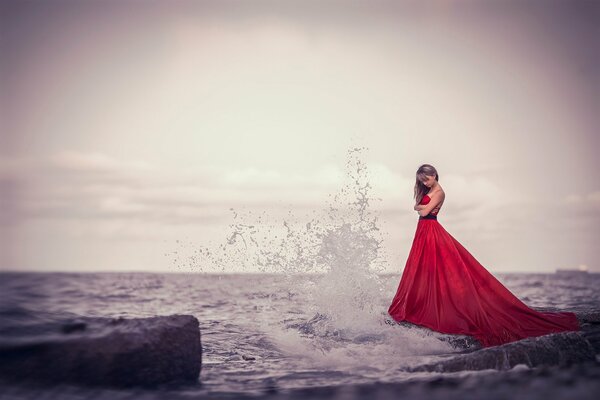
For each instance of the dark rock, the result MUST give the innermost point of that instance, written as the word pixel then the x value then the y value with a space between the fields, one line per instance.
pixel 461 342
pixel 590 327
pixel 562 349
pixel 73 327
pixel 107 352
pixel 589 317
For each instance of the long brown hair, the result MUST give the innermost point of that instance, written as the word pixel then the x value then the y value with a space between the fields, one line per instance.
pixel 420 189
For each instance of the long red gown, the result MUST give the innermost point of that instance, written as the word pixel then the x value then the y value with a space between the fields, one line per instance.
pixel 444 288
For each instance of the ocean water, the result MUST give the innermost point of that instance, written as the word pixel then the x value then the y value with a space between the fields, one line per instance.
pixel 262 331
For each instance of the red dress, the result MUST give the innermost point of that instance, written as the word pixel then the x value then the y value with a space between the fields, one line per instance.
pixel 444 288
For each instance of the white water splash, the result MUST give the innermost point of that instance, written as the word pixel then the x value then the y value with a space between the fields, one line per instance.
pixel 341 244
pixel 334 257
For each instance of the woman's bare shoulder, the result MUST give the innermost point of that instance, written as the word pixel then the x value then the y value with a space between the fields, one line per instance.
pixel 438 192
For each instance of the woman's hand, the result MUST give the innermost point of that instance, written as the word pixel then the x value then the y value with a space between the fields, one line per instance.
pixel 419 207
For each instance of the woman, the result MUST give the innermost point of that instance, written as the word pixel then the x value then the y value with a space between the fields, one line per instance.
pixel 443 287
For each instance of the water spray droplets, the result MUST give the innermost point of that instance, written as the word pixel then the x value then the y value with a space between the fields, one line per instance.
pixel 340 244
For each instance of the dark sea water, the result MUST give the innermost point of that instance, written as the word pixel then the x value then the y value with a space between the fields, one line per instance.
pixel 262 331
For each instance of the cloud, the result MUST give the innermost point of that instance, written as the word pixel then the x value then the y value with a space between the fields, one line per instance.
pixel 73 194
pixel 95 194
pixel 591 199
pixel 96 162
pixel 78 185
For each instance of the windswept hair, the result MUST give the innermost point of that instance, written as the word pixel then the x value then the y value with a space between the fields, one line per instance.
pixel 420 189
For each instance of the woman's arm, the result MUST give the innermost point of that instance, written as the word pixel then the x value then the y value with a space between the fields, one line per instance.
pixel 433 203
pixel 419 207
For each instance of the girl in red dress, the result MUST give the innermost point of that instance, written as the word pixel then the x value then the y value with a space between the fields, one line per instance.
pixel 444 288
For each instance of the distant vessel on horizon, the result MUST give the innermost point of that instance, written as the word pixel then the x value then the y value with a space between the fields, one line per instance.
pixel 573 271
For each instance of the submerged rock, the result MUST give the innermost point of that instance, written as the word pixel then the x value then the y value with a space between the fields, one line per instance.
pixel 106 352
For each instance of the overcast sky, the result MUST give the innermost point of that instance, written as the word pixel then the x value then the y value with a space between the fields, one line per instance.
pixel 128 125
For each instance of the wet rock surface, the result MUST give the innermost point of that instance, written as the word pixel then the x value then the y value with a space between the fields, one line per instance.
pixel 560 349
pixel 578 381
pixel 104 352
pixel 555 349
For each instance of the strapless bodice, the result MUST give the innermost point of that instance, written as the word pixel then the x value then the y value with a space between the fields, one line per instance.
pixel 424 201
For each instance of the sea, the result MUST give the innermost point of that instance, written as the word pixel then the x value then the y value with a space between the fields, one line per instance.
pixel 264 332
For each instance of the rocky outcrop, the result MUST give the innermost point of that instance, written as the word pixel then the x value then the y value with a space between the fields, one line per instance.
pixel 106 352
pixel 556 349
pixel 560 349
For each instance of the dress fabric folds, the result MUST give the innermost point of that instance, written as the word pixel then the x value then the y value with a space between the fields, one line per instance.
pixel 444 288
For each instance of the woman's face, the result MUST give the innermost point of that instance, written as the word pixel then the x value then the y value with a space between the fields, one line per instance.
pixel 427 180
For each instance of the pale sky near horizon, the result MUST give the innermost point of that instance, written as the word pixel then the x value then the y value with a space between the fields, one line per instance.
pixel 129 125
